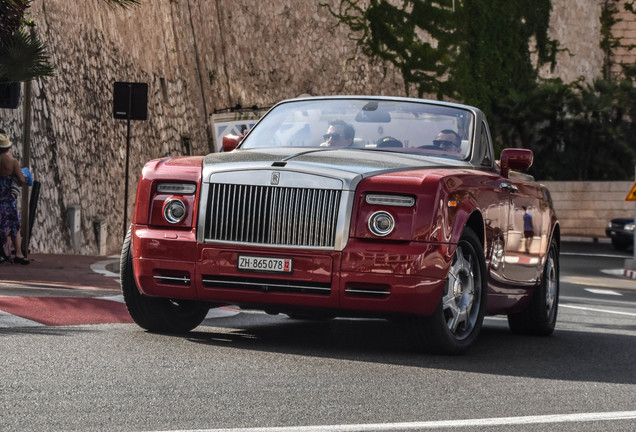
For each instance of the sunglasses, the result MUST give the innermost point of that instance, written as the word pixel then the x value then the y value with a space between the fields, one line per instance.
pixel 444 143
pixel 334 136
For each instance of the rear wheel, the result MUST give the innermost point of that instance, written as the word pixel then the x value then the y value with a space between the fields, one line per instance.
pixel 457 321
pixel 157 314
pixel 539 317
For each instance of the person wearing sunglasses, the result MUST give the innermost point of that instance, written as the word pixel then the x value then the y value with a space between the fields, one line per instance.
pixel 339 134
pixel 449 141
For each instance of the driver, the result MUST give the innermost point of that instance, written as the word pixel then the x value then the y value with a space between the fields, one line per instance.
pixel 339 134
pixel 449 141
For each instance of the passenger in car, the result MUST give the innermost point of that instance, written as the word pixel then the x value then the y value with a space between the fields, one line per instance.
pixel 339 134
pixel 449 141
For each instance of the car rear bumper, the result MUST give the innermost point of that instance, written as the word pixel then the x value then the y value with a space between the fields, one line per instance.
pixel 376 278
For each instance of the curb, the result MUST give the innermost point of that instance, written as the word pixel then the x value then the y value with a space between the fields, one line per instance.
pixel 109 268
pixel 631 274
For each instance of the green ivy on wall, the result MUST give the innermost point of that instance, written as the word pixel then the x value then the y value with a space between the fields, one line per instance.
pixel 487 53
pixel 475 51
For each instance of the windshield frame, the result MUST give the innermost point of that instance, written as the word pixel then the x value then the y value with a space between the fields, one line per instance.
pixel 467 119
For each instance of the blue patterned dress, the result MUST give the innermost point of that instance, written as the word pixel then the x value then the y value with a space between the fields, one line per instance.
pixel 9 218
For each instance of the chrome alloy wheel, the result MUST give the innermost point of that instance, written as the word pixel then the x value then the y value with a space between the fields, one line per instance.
pixel 552 286
pixel 461 300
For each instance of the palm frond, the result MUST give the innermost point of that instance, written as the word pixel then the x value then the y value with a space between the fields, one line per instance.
pixel 11 15
pixel 23 57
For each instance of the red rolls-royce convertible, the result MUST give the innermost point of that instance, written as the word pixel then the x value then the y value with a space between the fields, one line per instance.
pixel 349 206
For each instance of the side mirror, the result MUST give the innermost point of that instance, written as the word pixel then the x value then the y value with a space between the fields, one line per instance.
pixel 230 142
pixel 515 159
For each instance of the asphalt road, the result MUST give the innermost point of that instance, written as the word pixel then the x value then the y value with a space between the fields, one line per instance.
pixel 251 370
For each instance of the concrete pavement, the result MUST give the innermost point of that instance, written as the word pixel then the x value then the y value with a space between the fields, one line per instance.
pixel 73 275
pixel 57 290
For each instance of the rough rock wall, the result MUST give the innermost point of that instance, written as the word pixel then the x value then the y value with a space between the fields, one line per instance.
pixel 197 57
pixel 77 148
pixel 576 25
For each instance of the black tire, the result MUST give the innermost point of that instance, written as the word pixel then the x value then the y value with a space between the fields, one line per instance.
pixel 157 314
pixel 457 321
pixel 540 316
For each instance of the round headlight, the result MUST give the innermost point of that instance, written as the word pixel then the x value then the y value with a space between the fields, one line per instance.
pixel 381 223
pixel 174 211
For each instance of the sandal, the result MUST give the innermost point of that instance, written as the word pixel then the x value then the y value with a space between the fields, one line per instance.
pixel 18 260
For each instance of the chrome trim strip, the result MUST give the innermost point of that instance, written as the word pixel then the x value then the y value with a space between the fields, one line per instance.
pixel 288 178
pixel 359 291
pixel 256 284
pixel 183 279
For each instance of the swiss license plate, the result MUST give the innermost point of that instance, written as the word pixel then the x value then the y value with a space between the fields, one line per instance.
pixel 265 264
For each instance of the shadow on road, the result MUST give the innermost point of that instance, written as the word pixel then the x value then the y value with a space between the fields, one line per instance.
pixel 566 355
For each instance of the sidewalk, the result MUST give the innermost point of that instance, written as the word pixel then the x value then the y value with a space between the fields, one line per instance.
pixel 68 275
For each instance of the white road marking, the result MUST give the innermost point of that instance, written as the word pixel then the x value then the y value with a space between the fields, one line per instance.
pixel 600 282
pixel 101 267
pixel 443 424
pixel 603 292
pixel 9 321
pixel 116 298
pixel 594 255
pixel 597 310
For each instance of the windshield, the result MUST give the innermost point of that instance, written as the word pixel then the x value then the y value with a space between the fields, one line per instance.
pixel 386 125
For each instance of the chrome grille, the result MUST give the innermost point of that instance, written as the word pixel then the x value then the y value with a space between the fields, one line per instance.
pixel 272 215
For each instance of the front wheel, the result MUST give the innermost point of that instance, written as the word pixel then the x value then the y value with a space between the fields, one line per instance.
pixel 457 321
pixel 156 314
pixel 539 317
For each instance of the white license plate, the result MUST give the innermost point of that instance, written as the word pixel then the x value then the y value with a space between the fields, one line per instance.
pixel 265 264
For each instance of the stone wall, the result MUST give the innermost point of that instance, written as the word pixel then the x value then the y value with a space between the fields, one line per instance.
pixel 197 57
pixel 585 208
pixel 625 29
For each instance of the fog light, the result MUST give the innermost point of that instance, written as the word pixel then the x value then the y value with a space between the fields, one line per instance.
pixel 381 223
pixel 174 211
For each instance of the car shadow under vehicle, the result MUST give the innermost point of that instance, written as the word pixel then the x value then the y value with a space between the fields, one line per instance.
pixel 572 355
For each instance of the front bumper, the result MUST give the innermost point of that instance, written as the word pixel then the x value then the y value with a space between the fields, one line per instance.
pixel 366 277
pixel 619 234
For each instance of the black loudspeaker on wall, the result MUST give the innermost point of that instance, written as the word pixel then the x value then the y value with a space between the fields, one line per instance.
pixel 9 95
pixel 130 101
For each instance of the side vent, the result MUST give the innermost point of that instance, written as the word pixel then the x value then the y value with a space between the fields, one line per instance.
pixel 172 277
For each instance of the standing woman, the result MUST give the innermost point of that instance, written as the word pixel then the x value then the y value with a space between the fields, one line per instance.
pixel 9 218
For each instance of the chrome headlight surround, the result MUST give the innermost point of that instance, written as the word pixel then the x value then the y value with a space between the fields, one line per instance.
pixel 381 223
pixel 174 210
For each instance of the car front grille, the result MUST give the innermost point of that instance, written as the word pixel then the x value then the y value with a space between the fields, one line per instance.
pixel 272 215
